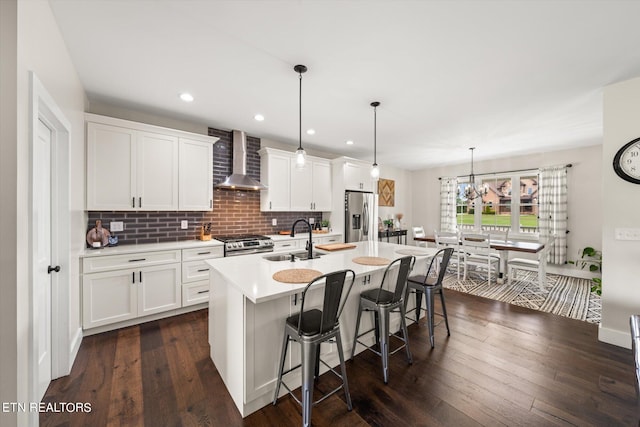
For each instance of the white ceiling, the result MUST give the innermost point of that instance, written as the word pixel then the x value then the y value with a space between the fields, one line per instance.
pixel 508 77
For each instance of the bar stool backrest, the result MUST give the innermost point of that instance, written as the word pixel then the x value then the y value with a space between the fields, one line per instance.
pixel 331 304
pixel 405 265
pixel 445 254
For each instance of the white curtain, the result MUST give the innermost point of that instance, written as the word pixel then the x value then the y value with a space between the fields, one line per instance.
pixel 448 193
pixel 553 211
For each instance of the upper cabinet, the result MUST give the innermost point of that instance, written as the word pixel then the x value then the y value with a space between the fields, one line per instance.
pixel 275 173
pixel 292 189
pixel 357 176
pixel 195 175
pixel 134 166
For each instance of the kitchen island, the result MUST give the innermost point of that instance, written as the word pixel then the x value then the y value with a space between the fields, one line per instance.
pixel 247 310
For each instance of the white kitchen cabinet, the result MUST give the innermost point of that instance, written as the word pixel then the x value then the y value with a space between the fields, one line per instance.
pixel 357 176
pixel 275 173
pixel 322 184
pixel 301 187
pixel 111 158
pixel 292 189
pixel 195 274
pixel 116 288
pixel 285 245
pixel 195 175
pixel 311 186
pixel 159 289
pixel 108 297
pixel 134 166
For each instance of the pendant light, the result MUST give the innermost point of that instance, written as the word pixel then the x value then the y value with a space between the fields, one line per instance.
pixel 471 192
pixel 375 170
pixel 300 153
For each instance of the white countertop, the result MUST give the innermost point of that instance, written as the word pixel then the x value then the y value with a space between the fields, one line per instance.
pixel 252 274
pixel 149 247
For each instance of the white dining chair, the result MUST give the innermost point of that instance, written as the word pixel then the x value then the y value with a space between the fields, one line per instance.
pixel 418 231
pixel 450 239
pixel 476 252
pixel 538 265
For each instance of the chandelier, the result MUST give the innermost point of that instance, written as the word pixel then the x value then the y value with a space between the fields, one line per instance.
pixel 471 192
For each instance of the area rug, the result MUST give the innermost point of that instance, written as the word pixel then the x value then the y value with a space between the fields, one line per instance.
pixel 563 295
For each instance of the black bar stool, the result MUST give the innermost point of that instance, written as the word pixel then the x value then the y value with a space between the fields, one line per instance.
pixel 430 284
pixel 382 302
pixel 311 328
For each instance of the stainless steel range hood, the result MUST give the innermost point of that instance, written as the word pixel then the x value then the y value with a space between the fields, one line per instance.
pixel 239 180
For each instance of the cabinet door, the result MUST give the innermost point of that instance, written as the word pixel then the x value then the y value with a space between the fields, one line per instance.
pixel 159 289
pixel 275 173
pixel 301 188
pixel 111 157
pixel 321 187
pixel 196 175
pixel 157 172
pixel 264 332
pixel 109 297
pixel 357 177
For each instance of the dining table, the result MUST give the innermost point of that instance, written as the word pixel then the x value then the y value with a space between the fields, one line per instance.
pixel 504 246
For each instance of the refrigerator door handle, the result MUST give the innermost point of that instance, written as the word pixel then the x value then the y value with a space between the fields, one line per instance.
pixel 365 220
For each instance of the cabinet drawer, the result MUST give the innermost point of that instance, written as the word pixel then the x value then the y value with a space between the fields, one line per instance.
pixel 193 271
pixel 331 239
pixel 202 253
pixel 135 260
pixel 195 293
pixel 286 245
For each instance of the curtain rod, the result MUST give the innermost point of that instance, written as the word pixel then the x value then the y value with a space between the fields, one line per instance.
pixel 501 172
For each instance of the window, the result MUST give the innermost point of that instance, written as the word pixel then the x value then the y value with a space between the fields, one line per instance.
pixel 510 203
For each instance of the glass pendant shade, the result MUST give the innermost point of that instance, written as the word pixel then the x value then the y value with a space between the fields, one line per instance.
pixel 300 158
pixel 375 171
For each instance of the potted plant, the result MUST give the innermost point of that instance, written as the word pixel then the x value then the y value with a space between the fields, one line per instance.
pixel 592 259
pixel 325 225
pixel 388 223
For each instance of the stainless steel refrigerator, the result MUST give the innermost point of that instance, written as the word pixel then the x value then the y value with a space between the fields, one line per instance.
pixel 361 213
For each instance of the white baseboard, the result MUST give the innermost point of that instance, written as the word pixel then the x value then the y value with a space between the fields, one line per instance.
pixel 615 337
pixel 74 348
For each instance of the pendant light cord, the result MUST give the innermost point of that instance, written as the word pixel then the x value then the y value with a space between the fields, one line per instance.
pixel 300 114
pixel 375 147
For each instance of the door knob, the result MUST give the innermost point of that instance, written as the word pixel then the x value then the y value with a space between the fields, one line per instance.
pixel 50 269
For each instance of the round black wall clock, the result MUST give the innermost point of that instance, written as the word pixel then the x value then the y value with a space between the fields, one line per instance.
pixel 626 162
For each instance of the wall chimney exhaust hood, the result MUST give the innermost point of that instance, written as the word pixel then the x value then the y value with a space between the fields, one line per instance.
pixel 239 180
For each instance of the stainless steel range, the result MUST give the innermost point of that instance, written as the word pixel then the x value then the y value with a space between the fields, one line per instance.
pixel 245 244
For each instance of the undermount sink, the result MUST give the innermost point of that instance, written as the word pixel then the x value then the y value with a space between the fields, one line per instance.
pixel 302 255
pixel 283 257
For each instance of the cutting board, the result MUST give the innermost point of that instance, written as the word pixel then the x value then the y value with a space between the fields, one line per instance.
pixel 335 246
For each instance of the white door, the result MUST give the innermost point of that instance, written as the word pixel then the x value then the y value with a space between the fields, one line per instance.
pixel 42 256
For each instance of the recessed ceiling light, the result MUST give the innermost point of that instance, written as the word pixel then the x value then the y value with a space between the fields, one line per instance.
pixel 186 97
pixel 349 142
pixel 259 117
pixel 311 132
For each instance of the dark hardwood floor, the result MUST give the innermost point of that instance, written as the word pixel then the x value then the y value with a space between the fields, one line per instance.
pixel 502 365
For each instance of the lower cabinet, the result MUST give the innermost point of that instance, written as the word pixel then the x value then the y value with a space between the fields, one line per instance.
pixel 124 287
pixel 118 295
pixel 195 274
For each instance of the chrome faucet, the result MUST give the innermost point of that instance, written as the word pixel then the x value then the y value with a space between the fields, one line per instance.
pixel 309 243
